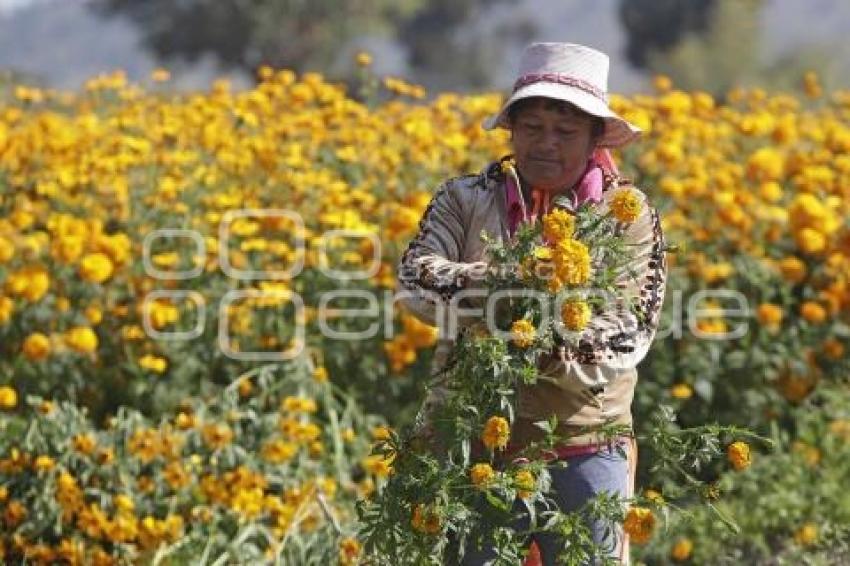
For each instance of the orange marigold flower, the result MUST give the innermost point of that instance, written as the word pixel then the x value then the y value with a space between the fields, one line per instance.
pixel 739 456
pixel 496 433
pixel 639 524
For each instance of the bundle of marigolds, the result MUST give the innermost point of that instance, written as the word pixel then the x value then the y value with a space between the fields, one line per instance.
pixel 452 487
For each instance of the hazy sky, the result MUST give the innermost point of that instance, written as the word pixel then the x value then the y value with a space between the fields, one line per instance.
pixel 59 40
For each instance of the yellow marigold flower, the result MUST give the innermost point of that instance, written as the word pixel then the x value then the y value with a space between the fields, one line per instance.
pixel 185 421
pixel 682 549
pixel 522 333
pixel 766 164
pixel 216 435
pixel 36 346
pixel 7 308
pixel 806 535
pixel 418 333
pixel 810 240
pixel 162 313
pixel 542 253
pixel 813 312
pixel 278 451
pixel 558 225
pixel 575 314
pixel 43 463
pixel 639 524
pixel 81 339
pixel 8 398
pixel 681 391
pixel 320 374
pixel 771 191
pixel 93 314
pixel 626 205
pixel 378 465
pixel 30 282
pixel 482 475
pixel 739 456
pixel 96 267
pixel 153 363
pixel 654 496
pixel 83 443
pixel 349 551
pixel 769 315
pixel 381 433
pixel 524 482
pixel 793 269
pixel 572 262
pixel 245 387
pixel 496 433
pixel 123 503
pixel 298 404
pixel 425 519
pixel 7 250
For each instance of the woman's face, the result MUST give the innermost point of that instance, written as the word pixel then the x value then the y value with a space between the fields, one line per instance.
pixel 551 143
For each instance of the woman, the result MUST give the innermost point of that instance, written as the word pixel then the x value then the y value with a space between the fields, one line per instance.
pixel 560 125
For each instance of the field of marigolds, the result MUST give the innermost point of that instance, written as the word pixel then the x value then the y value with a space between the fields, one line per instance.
pixel 174 267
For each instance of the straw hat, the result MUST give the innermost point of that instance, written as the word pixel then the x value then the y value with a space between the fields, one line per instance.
pixel 573 73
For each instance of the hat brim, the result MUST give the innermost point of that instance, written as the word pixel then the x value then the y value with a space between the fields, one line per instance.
pixel 618 131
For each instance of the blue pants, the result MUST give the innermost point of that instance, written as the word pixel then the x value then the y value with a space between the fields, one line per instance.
pixel 572 486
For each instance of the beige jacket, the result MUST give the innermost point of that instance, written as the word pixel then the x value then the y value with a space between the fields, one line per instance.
pixel 586 386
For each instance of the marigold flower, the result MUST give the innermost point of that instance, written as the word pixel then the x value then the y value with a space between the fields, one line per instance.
pixel 84 443
pixel 425 519
pixel 626 205
pixel 81 339
pixel 216 435
pixel 681 391
pixel 682 549
pixel 96 267
pixel 43 463
pixel 639 524
pixel 558 225
pixel 813 312
pixel 793 269
pixel 739 456
pixel 496 433
pixel 8 397
pixel 153 363
pixel 806 535
pixel 36 347
pixel 482 475
pixel 575 314
pixel 769 315
pixel 7 308
pixel 349 551
pixel 524 482
pixel 522 333
pixel 378 465
pixel 572 262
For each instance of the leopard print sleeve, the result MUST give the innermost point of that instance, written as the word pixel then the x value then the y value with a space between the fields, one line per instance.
pixel 431 269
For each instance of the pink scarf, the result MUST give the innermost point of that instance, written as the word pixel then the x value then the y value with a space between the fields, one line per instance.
pixel 589 188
